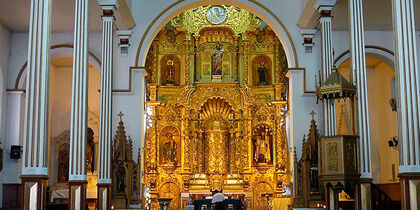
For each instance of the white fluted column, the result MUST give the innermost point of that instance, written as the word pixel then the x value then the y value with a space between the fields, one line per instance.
pixel 324 7
pixel 358 65
pixel 105 129
pixel 79 107
pixel 408 102
pixel 34 163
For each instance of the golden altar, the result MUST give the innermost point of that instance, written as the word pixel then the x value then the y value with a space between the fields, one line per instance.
pixel 216 110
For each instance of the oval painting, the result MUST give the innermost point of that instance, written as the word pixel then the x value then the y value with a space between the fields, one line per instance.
pixel 216 14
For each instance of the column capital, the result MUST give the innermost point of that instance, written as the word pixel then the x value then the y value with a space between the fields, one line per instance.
pixel 307 35
pixel 324 7
pixel 109 4
pixel 124 36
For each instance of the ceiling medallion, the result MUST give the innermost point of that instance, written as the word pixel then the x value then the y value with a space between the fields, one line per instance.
pixel 216 14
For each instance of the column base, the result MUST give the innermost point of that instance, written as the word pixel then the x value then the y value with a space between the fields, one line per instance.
pixel 410 190
pixel 104 196
pixel 77 195
pixel 34 192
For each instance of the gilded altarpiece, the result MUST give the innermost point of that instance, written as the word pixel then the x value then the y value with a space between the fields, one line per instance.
pixel 203 135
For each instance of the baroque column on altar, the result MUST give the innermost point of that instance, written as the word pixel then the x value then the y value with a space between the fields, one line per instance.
pixel 358 66
pixel 324 8
pixel 79 108
pixel 105 135
pixel 34 163
pixel 408 102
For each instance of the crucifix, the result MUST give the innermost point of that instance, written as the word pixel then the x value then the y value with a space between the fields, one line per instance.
pixel 313 114
pixel 120 115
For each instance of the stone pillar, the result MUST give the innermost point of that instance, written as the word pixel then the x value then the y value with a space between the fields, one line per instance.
pixel 324 7
pixel 358 65
pixel 105 135
pixel 79 108
pixel 35 160
pixel 408 102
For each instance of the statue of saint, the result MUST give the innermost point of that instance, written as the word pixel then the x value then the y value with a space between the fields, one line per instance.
pixel 216 59
pixel 120 176
pixel 262 148
pixel 63 163
pixel 169 150
pixel 90 150
pixel 170 72
pixel 262 72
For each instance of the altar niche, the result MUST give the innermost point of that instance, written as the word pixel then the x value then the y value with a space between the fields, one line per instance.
pixel 217 54
pixel 261 70
pixel 170 70
pixel 170 146
pixel 262 144
pixel 220 124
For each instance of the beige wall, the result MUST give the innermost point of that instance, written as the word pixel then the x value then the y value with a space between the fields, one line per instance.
pixel 383 122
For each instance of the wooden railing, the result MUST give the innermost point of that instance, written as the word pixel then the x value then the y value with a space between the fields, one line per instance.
pixel 381 201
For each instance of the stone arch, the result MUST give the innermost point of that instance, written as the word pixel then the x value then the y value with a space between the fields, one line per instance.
pixel 57 51
pixel 383 54
pixel 181 6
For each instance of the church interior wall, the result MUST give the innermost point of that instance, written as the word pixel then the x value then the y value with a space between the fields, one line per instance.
pixel 15 45
pixel 4 63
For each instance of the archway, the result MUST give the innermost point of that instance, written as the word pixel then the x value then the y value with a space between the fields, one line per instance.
pixel 381 89
pixel 218 103
pixel 57 51
pixel 252 6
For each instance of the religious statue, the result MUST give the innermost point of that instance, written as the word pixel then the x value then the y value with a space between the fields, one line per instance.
pixel 63 163
pixel 217 59
pixel 90 150
pixel 262 72
pixel 170 72
pixel 262 148
pixel 169 150
pixel 120 176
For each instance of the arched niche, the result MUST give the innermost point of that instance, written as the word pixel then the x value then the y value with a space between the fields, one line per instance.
pixel 262 145
pixel 170 146
pixel 170 70
pixel 57 52
pixel 262 70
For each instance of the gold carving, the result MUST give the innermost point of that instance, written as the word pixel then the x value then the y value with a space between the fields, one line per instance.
pixel 203 134
pixel 332 151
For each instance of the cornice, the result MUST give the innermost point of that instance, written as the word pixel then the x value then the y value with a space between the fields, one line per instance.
pixel 309 17
pixel 124 18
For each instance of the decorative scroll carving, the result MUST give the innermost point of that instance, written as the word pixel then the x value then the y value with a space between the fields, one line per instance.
pixel 217 124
